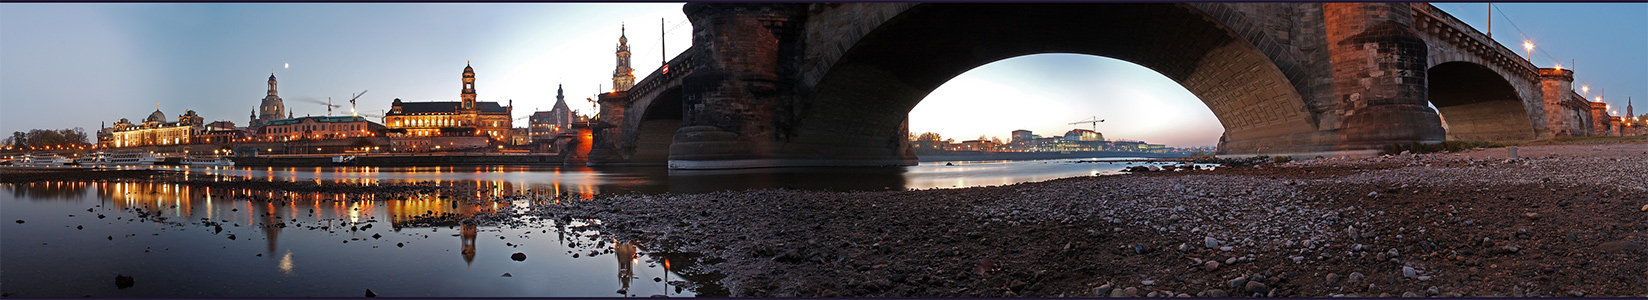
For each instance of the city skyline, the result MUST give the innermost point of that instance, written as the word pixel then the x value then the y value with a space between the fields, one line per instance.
pixel 78 65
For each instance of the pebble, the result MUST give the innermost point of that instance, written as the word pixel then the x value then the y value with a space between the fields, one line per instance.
pixel 1211 243
pixel 1354 277
pixel 1103 290
pixel 1351 231
pixel 1148 282
pixel 1409 295
pixel 1333 278
pixel 1226 248
pixel 1210 266
pixel 369 293
pixel 518 256
pixel 1231 260
pixel 1238 282
pixel 506 274
pixel 1256 287
pixel 1216 293
pixel 1153 294
pixel 1576 293
pixel 19 221
pixel 1409 272
pixel 1116 293
pixel 1130 292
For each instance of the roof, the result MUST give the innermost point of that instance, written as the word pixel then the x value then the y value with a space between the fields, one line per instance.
pixel 322 119
pixel 447 107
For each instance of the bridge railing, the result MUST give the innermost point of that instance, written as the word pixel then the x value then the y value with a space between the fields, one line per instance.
pixel 1427 10
pixel 671 71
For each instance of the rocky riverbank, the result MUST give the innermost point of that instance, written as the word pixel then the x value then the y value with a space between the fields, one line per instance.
pixel 1559 221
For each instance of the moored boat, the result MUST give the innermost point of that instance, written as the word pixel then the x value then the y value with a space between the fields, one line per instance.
pixel 207 161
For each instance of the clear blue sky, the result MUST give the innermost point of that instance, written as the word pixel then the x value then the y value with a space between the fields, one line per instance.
pixel 75 65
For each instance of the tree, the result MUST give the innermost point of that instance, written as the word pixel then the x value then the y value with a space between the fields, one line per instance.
pixel 18 139
pixel 928 140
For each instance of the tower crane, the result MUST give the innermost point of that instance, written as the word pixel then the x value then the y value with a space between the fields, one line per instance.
pixel 1093 120
pixel 352 102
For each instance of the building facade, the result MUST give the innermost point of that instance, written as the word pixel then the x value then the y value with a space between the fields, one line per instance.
pixel 466 117
pixel 155 130
pixel 318 128
pixel 545 125
pixel 272 107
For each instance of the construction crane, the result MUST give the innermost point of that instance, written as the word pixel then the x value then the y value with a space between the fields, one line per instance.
pixel 1094 120
pixel 352 102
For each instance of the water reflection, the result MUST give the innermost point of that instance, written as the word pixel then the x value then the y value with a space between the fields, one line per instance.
pixel 203 239
pixel 625 252
pixel 585 182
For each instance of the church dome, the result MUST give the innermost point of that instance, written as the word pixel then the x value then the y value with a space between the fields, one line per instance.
pixel 156 116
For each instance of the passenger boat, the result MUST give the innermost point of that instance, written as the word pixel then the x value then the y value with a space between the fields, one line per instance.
pixel 132 158
pixel 44 159
pixel 207 161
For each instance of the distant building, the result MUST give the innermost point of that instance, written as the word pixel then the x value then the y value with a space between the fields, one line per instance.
pixel 1083 135
pixel 623 77
pixel 155 130
pixel 545 125
pixel 272 107
pixel 220 132
pixel 450 119
pixel 1022 136
pixel 318 128
pixel 977 145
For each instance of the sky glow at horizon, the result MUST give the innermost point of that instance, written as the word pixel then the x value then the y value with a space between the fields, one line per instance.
pixel 66 65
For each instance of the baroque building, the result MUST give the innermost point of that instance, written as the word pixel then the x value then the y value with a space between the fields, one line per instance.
pixel 272 107
pixel 466 117
pixel 318 128
pixel 623 77
pixel 155 130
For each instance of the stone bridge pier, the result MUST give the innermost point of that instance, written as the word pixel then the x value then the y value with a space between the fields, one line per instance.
pixel 832 84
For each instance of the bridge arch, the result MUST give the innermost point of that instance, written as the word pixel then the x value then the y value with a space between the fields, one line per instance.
pixel 860 102
pixel 650 129
pixel 1476 103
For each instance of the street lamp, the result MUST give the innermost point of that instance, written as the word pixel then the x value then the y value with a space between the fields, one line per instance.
pixel 1529 46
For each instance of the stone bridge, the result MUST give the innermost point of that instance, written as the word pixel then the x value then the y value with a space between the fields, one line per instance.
pixel 832 84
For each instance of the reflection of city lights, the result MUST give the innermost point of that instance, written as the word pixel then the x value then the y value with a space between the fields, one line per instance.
pixel 286 263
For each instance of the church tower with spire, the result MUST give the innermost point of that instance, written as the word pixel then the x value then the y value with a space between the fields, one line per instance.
pixel 623 77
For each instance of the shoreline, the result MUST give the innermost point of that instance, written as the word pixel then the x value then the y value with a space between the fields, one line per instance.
pixel 1466 224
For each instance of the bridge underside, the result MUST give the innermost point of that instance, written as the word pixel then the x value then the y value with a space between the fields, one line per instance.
pixel 857 113
pixel 1478 104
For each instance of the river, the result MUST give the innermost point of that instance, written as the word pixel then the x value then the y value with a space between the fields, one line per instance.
pixel 74 238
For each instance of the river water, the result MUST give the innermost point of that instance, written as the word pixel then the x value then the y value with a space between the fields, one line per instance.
pixel 76 237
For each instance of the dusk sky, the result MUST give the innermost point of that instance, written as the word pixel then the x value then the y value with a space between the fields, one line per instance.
pixel 76 65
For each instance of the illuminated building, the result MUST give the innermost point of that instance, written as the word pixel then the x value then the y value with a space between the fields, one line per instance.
pixel 623 77
pixel 1083 135
pixel 155 130
pixel 318 128
pixel 220 132
pixel 272 107
pixel 545 125
pixel 448 118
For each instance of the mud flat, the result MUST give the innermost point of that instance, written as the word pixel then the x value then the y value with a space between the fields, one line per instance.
pixel 1558 221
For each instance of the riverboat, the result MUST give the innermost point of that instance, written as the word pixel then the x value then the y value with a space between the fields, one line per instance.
pixel 132 158
pixel 44 159
pixel 207 161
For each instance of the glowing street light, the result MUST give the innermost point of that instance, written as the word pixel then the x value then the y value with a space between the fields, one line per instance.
pixel 1586 89
pixel 1529 45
